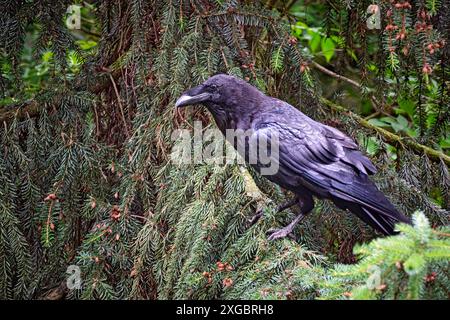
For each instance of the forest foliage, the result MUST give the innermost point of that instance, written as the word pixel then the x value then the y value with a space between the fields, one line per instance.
pixel 86 177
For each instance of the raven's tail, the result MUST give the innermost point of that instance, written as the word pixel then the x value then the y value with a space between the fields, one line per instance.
pixel 374 209
pixel 383 222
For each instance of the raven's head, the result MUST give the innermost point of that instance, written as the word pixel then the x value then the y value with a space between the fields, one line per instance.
pixel 220 90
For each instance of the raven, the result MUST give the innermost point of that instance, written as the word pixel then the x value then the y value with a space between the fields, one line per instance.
pixel 313 159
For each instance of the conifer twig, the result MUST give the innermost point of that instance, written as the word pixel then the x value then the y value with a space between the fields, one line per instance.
pixel 333 74
pixel 119 100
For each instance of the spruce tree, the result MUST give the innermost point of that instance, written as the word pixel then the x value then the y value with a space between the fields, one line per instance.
pixel 86 177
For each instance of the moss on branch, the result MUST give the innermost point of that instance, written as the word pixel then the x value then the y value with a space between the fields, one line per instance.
pixel 389 136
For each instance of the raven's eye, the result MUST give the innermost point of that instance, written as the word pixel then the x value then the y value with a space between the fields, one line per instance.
pixel 213 87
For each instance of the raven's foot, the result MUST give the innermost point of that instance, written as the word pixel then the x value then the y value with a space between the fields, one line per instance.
pixel 286 231
pixel 280 233
pixel 259 213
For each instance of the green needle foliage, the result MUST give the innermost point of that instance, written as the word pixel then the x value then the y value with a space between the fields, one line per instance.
pixel 412 265
pixel 87 178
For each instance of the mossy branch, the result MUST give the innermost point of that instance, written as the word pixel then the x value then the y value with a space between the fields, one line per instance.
pixel 251 189
pixel 389 136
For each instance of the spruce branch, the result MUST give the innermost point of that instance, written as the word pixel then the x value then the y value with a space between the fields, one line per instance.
pixel 251 189
pixel 33 107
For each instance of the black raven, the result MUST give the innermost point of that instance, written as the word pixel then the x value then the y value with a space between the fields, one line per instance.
pixel 313 159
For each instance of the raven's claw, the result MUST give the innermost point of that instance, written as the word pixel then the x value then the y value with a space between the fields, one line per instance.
pixel 280 233
pixel 286 231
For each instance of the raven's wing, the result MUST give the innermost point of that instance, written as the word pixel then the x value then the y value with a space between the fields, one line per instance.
pixel 325 159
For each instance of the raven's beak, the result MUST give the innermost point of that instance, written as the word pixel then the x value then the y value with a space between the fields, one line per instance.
pixel 193 96
pixel 186 99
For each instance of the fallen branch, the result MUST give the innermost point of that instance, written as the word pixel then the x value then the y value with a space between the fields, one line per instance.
pixel 389 136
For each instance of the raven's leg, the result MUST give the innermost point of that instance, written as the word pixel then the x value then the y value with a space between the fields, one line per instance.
pixel 306 204
pixel 287 204
pixel 280 208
